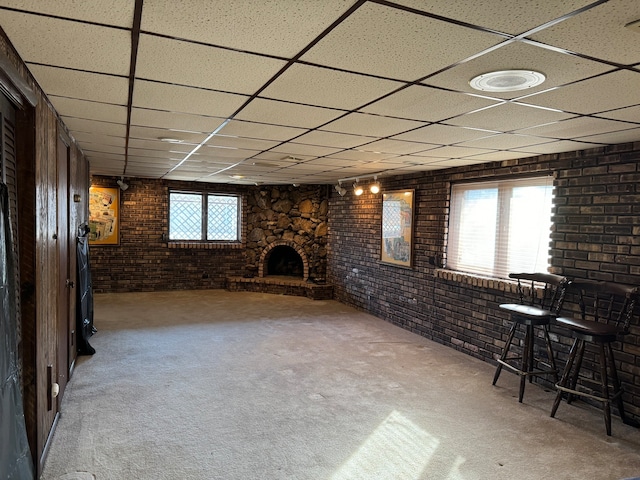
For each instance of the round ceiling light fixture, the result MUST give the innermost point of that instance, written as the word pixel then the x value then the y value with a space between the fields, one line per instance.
pixel 507 80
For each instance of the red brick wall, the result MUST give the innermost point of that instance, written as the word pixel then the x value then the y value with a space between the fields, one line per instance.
pixel 596 235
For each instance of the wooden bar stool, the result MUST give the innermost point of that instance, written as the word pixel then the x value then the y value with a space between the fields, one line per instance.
pixel 606 311
pixel 541 296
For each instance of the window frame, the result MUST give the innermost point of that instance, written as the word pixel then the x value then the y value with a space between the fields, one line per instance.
pixel 505 186
pixel 204 209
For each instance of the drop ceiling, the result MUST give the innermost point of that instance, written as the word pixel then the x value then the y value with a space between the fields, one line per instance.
pixel 314 91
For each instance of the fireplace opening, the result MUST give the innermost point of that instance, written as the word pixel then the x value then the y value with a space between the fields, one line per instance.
pixel 284 260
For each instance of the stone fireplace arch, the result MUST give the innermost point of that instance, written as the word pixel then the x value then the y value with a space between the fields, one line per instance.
pixel 264 257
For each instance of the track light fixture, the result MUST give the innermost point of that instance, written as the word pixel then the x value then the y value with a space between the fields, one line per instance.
pixel 357 188
pixel 375 186
pixel 123 186
pixel 340 189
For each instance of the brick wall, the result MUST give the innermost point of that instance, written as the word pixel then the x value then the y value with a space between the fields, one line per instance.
pixel 145 261
pixel 142 261
pixel 596 235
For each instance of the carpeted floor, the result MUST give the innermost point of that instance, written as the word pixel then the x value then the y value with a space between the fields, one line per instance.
pixel 241 386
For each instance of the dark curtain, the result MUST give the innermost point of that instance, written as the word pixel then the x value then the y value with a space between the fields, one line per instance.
pixel 15 456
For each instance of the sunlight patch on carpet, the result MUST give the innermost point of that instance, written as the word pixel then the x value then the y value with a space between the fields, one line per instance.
pixel 397 450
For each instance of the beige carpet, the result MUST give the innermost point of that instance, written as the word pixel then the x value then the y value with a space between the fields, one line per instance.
pixel 243 386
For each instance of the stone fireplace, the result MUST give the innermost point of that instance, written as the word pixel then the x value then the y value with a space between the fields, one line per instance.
pixel 284 258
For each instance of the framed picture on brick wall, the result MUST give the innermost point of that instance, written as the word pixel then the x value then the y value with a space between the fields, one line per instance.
pixel 397 228
pixel 104 216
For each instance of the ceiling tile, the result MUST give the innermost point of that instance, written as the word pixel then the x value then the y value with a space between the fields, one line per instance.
pixel 83 85
pixel 72 107
pixel 330 139
pixel 381 40
pixel 361 156
pixel 630 114
pixel 456 152
pixel 101 148
pixel 624 136
pixel 84 137
pixel 214 152
pixel 501 15
pixel 283 27
pixel 556 147
pixel 326 87
pixel 286 114
pixel 577 127
pixel 174 98
pixel 114 12
pixel 607 37
pixel 497 156
pixel 607 92
pixel 260 130
pixel 173 120
pixel 150 133
pixel 69 44
pixel 558 68
pixel 184 63
pixel 442 134
pixel 508 117
pixel 95 127
pixel 395 146
pixel 427 104
pixel 157 145
pixel 240 142
pixel 372 125
pixel 294 149
pixel 504 141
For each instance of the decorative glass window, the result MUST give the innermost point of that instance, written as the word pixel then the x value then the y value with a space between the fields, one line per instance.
pixel 500 227
pixel 204 216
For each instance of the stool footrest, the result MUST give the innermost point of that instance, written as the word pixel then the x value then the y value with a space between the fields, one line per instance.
pixel 521 372
pixel 581 393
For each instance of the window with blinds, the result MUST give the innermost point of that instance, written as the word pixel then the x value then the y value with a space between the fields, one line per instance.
pixel 499 227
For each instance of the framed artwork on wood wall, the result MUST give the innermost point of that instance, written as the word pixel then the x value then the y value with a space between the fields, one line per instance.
pixel 397 228
pixel 104 216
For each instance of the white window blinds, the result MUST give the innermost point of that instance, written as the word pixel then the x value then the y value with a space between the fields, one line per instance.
pixel 499 227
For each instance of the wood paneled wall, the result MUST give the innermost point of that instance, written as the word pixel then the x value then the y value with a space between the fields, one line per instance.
pixel 37 134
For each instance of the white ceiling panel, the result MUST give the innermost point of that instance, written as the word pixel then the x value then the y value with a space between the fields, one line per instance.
pixel 262 131
pixel 443 134
pixel 105 112
pixel 114 12
pixel 607 37
pixel 577 127
pixel 95 127
pixel 370 125
pixel 508 117
pixel 557 147
pixel 502 15
pixel 327 88
pixel 185 63
pixel 283 27
pixel 395 44
pixel 174 121
pixel 175 98
pixel 427 104
pixel 88 86
pixel 69 44
pixel 614 90
pixel 321 76
pixel 287 114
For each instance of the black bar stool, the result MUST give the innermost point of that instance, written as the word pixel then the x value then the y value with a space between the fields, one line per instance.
pixel 606 311
pixel 541 296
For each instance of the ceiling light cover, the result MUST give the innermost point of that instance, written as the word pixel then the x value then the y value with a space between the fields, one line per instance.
pixel 507 80
pixel 357 189
pixel 375 187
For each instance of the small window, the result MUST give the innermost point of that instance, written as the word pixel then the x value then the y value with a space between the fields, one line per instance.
pixel 204 217
pixel 500 227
